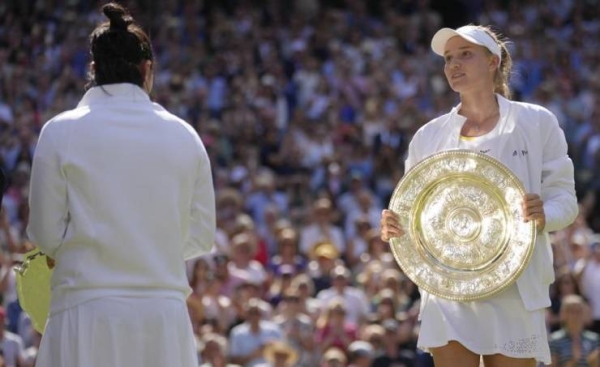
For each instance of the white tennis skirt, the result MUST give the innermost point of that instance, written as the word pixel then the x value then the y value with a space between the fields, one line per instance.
pixel 498 325
pixel 120 332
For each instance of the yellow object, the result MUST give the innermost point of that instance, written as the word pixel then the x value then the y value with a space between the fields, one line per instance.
pixel 33 287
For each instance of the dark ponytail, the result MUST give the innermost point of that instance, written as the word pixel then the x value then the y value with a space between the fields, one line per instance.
pixel 118 47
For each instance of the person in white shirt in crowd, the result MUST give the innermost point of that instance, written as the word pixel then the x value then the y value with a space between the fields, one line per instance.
pixel 121 195
pixel 322 228
pixel 248 340
pixel 242 264
pixel 527 138
pixel 13 349
pixel 355 301
pixel 297 327
pixel 587 271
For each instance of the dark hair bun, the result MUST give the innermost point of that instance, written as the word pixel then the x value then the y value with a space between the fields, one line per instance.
pixel 119 19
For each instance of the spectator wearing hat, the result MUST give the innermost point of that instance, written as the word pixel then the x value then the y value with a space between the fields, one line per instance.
pixel 354 299
pixel 248 340
pixel 287 252
pixel 360 354
pixel 298 328
pixel 324 257
pixel 280 354
pixel 334 357
pixel 393 355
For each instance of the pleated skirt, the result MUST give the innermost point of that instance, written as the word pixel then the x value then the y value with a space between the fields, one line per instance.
pixel 497 325
pixel 120 332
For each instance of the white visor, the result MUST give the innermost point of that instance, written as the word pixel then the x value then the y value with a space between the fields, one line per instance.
pixel 470 33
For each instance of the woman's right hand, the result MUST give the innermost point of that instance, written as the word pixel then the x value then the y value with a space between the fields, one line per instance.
pixel 390 225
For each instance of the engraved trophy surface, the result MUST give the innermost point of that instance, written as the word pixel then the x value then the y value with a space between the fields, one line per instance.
pixel 465 237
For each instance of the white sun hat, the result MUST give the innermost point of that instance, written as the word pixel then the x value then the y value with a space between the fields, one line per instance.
pixel 471 33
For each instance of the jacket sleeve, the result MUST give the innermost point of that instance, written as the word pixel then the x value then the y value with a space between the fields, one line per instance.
pixel 558 181
pixel 202 215
pixel 48 201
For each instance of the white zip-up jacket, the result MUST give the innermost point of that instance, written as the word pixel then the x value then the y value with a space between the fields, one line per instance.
pixel 530 143
pixel 121 194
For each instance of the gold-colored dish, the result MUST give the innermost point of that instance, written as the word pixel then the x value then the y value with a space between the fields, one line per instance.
pixel 465 238
pixel 33 287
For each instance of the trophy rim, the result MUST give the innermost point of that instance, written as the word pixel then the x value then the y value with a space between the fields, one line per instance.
pixel 427 261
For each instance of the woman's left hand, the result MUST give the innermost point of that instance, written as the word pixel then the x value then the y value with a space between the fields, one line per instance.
pixel 533 209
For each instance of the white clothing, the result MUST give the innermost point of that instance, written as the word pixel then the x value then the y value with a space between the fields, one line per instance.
pixel 355 301
pixel 120 332
pixel 12 348
pixel 590 286
pixel 530 143
pixel 254 272
pixel 312 234
pixel 121 195
pixel 500 324
pixel 242 341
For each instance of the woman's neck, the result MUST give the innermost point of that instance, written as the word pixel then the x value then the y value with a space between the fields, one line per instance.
pixel 478 107
pixel 482 114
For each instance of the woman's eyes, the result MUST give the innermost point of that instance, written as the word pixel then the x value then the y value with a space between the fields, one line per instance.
pixel 462 55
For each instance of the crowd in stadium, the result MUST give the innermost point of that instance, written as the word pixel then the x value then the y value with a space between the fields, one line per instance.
pixel 306 109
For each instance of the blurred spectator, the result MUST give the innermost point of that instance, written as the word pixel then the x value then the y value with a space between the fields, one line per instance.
pixel 287 252
pixel 309 305
pixel 280 284
pixel 280 354
pixel 393 353
pixel 13 349
pixel 588 270
pixel 324 257
pixel 321 229
pixel 333 327
pixel 213 351
pixel 355 302
pixel 249 339
pixel 564 285
pixel 242 265
pixel 360 354
pixel 298 328
pixel 334 357
pixel 572 345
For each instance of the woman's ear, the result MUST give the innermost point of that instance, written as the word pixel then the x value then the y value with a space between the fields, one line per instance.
pixel 494 62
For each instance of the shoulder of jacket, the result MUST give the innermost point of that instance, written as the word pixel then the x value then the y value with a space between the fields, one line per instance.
pixel 532 109
pixel 432 127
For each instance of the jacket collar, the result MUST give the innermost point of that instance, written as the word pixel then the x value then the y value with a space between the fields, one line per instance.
pixel 122 92
pixel 456 120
